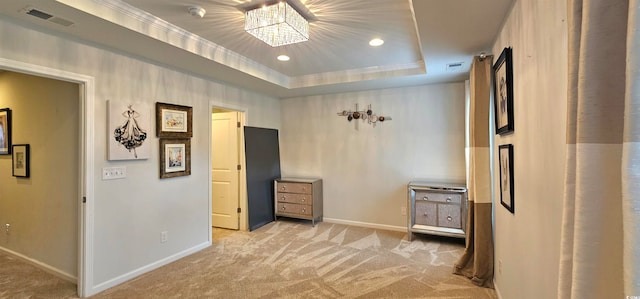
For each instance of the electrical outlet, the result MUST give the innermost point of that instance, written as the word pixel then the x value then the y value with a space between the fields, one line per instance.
pixel 403 211
pixel 164 236
pixel 500 266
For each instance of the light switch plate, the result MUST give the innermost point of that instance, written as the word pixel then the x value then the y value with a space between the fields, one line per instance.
pixel 114 173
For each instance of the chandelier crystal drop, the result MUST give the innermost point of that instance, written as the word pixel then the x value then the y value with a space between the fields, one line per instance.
pixel 277 24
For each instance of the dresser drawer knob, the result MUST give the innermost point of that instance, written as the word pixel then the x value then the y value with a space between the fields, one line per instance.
pixel 426 197
pixel 304 210
pixel 284 198
pixel 448 199
pixel 303 199
pixel 426 214
pixel 284 208
pixel 449 218
pixel 283 187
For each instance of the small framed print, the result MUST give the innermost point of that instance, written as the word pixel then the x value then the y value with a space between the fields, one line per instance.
pixel 173 121
pixel 5 131
pixel 505 153
pixel 503 92
pixel 20 160
pixel 175 157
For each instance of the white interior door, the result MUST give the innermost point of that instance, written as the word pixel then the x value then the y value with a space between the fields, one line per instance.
pixel 224 170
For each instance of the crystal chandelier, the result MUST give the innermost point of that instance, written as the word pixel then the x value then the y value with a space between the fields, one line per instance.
pixel 277 24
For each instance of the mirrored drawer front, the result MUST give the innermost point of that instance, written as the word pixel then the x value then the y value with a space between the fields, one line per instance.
pixel 306 199
pixel 294 187
pixel 426 213
pixel 439 197
pixel 292 208
pixel 449 216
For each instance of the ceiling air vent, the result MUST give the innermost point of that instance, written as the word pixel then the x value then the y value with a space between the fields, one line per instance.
pixel 46 16
pixel 456 66
pixel 39 14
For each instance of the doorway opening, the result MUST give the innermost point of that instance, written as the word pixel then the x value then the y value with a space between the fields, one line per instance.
pixel 228 183
pixel 82 179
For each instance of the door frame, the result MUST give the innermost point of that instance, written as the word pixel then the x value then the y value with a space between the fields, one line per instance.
pixel 86 163
pixel 243 116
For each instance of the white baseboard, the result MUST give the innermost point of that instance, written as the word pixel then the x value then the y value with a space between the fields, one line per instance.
pixel 144 269
pixel 44 267
pixel 366 224
pixel 495 286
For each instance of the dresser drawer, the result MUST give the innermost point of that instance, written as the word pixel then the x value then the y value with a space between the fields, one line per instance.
pixel 449 216
pixel 299 198
pixel 303 188
pixel 292 208
pixel 426 213
pixel 439 197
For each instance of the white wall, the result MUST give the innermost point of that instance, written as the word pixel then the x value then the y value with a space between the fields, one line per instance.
pixel 42 209
pixel 365 170
pixel 130 213
pixel 528 242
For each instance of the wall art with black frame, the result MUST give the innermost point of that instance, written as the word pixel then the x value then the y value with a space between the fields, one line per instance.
pixel 20 160
pixel 503 92
pixel 5 131
pixel 505 154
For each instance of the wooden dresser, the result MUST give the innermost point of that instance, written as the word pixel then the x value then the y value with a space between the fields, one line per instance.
pixel 299 198
pixel 437 209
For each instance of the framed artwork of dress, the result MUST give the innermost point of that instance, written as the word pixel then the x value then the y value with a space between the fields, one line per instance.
pixel 129 130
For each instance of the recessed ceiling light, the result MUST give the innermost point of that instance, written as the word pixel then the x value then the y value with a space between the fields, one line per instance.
pixel 376 42
pixel 283 58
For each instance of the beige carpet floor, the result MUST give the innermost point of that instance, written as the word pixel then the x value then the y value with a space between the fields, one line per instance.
pixel 284 259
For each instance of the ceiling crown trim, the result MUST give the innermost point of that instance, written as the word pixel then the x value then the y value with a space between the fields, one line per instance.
pixel 142 22
pixel 132 18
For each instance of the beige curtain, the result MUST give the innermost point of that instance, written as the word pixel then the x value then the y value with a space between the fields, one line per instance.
pixel 600 254
pixel 477 261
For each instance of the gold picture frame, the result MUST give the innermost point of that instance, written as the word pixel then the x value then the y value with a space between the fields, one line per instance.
pixel 173 121
pixel 175 157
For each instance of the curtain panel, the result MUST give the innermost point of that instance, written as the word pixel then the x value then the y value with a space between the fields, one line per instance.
pixel 476 262
pixel 600 246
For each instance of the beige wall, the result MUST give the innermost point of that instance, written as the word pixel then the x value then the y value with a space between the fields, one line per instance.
pixel 366 169
pixel 130 214
pixel 527 243
pixel 43 209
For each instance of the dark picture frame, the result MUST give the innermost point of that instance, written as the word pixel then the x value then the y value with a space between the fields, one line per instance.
pixel 505 155
pixel 20 163
pixel 5 131
pixel 175 157
pixel 173 121
pixel 503 92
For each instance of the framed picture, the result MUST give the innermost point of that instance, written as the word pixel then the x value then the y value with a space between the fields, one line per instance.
pixel 173 120
pixel 505 153
pixel 20 160
pixel 503 92
pixel 175 157
pixel 5 131
pixel 129 131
